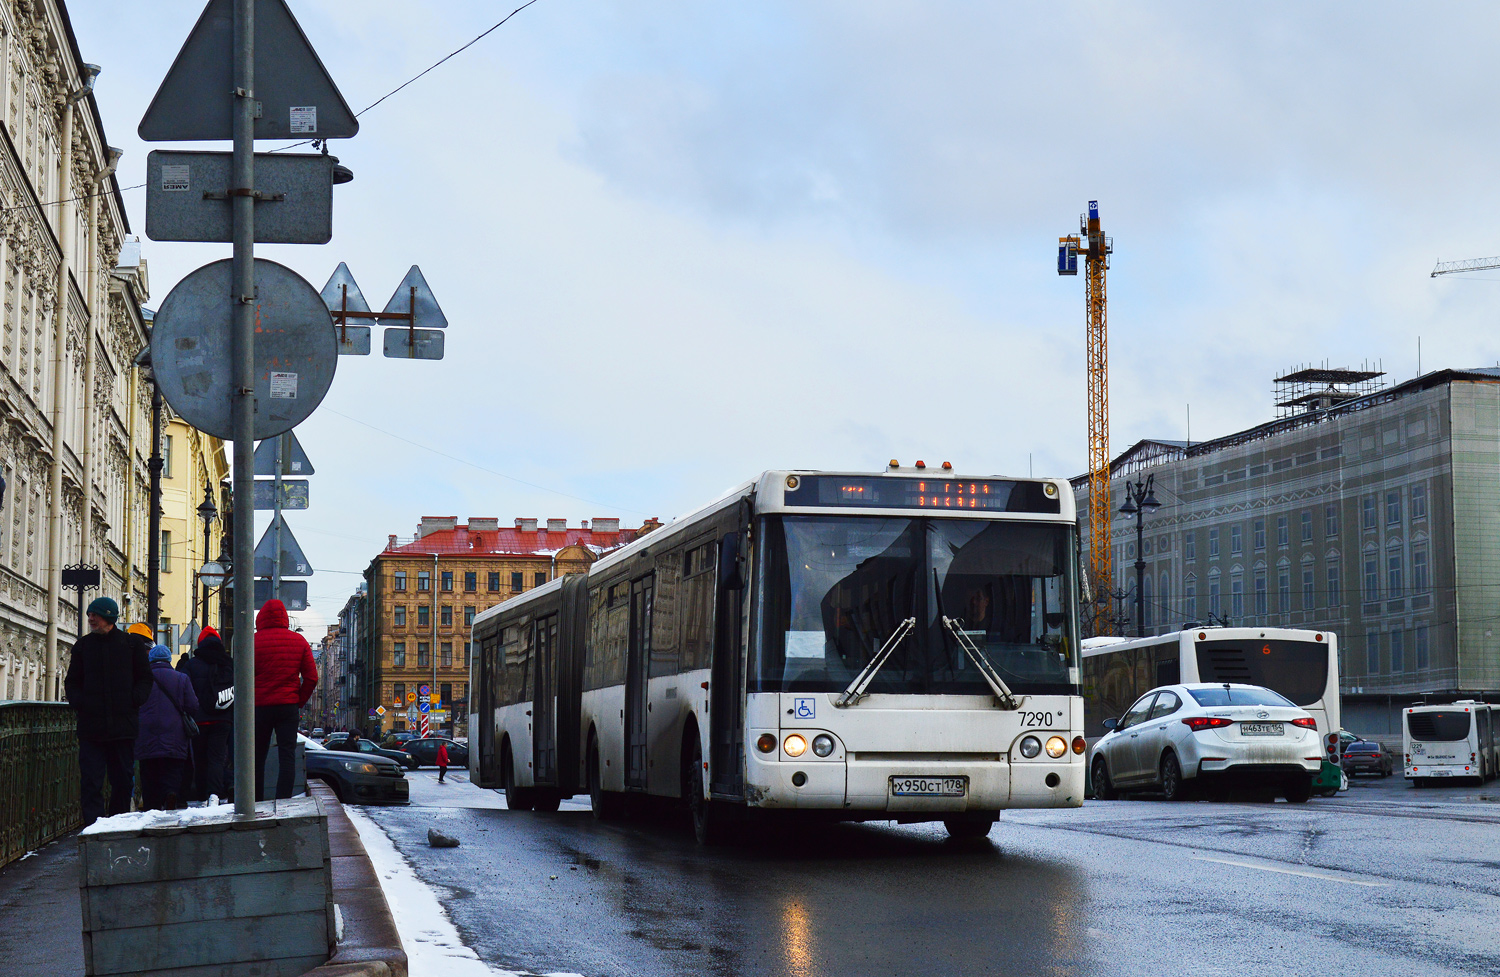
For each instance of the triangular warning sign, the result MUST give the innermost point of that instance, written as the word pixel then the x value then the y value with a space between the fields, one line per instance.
pixel 341 294
pixel 422 302
pixel 293 462
pixel 297 97
pixel 293 562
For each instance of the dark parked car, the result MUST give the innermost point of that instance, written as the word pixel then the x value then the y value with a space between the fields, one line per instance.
pixel 397 740
pixel 1362 756
pixel 343 744
pixel 357 779
pixel 425 751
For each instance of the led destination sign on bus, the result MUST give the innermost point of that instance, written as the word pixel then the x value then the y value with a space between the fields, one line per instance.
pixel 993 494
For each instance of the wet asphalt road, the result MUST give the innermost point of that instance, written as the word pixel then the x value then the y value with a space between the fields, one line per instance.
pixel 1381 880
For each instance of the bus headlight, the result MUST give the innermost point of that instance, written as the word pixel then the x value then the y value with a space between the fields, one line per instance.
pixel 1056 747
pixel 822 744
pixel 794 745
pixel 1030 747
pixel 766 743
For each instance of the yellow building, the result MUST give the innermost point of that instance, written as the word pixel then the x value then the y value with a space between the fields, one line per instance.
pixel 194 466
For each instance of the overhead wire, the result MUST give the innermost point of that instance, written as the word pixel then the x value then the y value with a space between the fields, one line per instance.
pixel 447 57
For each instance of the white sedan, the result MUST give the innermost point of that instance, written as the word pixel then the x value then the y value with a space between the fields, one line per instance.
pixel 1177 737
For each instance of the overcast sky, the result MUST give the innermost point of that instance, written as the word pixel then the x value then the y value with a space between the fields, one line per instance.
pixel 681 243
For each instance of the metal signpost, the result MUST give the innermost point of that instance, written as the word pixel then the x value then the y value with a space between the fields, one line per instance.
pixel 210 94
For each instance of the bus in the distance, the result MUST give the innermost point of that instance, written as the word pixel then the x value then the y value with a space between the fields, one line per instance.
pixel 900 645
pixel 1447 742
pixel 1301 665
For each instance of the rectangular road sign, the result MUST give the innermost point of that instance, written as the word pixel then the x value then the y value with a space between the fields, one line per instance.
pixel 294 493
pixel 187 197
pixel 352 340
pixel 414 344
pixel 436 698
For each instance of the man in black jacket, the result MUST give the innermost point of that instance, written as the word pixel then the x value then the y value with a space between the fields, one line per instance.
pixel 107 682
pixel 212 672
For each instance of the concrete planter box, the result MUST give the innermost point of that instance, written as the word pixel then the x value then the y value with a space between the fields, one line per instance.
pixel 198 892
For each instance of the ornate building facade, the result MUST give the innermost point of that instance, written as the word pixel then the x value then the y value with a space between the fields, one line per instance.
pixel 72 412
pixel 423 594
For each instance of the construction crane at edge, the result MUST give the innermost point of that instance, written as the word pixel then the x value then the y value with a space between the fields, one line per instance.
pixel 1096 254
pixel 1468 264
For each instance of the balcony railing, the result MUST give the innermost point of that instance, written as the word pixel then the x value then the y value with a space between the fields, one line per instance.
pixel 38 775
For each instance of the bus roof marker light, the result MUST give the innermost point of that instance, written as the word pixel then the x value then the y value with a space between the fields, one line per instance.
pixel 893 465
pixel 947 466
pixel 1050 490
pixel 921 465
pixel 792 481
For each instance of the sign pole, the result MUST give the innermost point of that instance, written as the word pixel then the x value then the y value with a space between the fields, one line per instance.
pixel 282 450
pixel 242 189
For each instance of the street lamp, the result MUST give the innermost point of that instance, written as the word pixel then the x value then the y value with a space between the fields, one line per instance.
pixel 1138 499
pixel 208 512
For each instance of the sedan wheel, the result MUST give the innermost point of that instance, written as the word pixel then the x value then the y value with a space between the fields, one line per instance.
pixel 1103 789
pixel 1172 786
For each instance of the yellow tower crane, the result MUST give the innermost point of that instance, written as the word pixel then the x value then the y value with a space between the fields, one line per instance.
pixel 1096 249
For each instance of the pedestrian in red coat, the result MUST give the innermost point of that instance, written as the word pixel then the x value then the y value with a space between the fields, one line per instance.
pixel 442 761
pixel 285 677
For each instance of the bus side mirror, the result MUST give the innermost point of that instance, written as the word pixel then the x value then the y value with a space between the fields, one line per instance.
pixel 1110 724
pixel 730 577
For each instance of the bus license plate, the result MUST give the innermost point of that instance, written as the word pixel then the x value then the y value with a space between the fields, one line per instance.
pixel 1262 729
pixel 929 786
pixel 1440 773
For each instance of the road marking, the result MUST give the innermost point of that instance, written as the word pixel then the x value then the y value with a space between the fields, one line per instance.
pixel 1290 871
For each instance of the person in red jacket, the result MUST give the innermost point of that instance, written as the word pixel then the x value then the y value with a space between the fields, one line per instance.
pixel 442 761
pixel 285 677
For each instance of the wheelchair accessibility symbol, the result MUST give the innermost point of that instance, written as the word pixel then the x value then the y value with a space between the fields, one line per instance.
pixel 805 708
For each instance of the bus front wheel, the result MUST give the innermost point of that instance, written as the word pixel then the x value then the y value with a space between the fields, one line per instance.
pixel 710 818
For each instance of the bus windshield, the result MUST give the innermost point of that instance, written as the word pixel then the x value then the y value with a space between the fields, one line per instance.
pixel 835 589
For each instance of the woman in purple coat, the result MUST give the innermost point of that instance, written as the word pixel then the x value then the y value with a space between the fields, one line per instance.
pixel 163 744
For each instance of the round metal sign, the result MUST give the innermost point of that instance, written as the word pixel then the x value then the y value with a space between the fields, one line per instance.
pixel 296 351
pixel 212 574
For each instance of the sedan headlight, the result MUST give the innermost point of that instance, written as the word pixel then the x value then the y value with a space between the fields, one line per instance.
pixel 1030 747
pixel 1056 747
pixel 360 766
pixel 822 744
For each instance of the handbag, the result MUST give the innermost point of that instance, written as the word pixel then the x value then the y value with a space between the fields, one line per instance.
pixel 189 724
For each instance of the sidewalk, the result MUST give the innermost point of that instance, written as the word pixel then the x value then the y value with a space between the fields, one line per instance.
pixel 43 931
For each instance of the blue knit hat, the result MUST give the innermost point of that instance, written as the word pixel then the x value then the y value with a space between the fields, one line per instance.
pixel 105 607
pixel 160 653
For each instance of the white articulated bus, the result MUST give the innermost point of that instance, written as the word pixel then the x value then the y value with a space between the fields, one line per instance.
pixel 891 646
pixel 1448 741
pixel 1301 665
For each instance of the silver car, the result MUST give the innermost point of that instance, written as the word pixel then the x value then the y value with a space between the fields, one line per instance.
pixel 1177 738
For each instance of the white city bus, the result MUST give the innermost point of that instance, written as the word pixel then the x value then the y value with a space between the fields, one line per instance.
pixel 1301 665
pixel 1447 741
pixel 891 646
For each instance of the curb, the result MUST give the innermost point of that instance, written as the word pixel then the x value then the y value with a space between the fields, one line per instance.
pixel 371 946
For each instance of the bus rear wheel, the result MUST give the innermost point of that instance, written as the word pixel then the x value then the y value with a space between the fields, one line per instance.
pixel 607 805
pixel 516 798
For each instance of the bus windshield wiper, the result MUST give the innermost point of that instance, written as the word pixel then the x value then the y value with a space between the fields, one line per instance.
pixel 856 689
pixel 1002 691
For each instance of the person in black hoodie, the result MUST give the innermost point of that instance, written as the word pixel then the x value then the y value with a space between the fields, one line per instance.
pixel 212 672
pixel 108 680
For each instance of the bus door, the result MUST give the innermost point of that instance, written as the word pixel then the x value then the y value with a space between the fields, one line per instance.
pixel 726 678
pixel 635 683
pixel 488 649
pixel 543 720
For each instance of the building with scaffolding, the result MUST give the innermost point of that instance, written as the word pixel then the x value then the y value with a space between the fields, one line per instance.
pixel 1369 510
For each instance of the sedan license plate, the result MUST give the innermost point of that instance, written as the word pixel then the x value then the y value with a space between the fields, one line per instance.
pixel 1262 729
pixel 929 786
